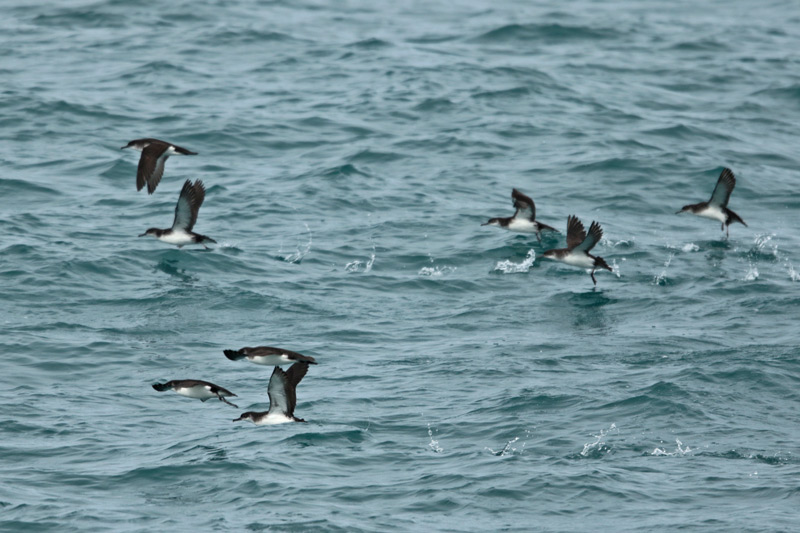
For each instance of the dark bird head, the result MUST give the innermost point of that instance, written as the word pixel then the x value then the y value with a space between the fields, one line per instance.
pixel 550 254
pixel 685 208
pixel 160 387
pixel 131 144
pixel 492 222
pixel 155 232
pixel 249 415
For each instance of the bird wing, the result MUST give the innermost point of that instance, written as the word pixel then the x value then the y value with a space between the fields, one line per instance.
pixel 189 202
pixel 524 205
pixel 282 388
pixel 151 166
pixel 594 236
pixel 722 192
pixel 278 394
pixel 575 232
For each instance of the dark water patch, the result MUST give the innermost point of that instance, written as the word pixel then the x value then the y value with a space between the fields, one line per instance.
pixel 371 156
pixel 789 93
pixel 151 68
pixel 613 164
pixel 435 105
pixel 700 45
pixel 10 187
pixel 119 169
pixel 250 36
pixel 308 439
pixel 372 43
pixel 513 93
pixel 63 109
pixel 690 88
pixel 548 33
pixel 688 133
pixel 773 460
pixel 432 39
pixel 79 18
pixel 29 525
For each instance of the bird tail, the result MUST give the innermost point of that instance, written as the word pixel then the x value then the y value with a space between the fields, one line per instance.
pixel 601 263
pixel 204 239
pixel 233 355
pixel 160 387
pixel 733 217
pixel 548 228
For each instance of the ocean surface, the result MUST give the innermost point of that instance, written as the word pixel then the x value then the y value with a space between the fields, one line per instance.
pixel 351 151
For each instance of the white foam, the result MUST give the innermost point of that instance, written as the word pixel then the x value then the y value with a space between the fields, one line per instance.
pixel 435 271
pixel 689 247
pixel 662 278
pixel 599 443
pixel 510 448
pixel 793 275
pixel 509 267
pixel 300 251
pixel 355 266
pixel 434 444
pixel 752 273
pixel 680 450
pixel 615 267
pixel 764 241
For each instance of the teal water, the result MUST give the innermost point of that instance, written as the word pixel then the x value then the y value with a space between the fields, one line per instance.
pixel 351 151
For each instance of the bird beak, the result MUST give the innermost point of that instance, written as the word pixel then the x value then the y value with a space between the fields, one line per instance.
pixel 485 224
pixel 122 147
pixel 679 212
pixel 237 419
pixel 143 234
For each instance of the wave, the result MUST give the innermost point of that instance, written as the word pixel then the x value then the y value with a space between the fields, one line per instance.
pixel 552 32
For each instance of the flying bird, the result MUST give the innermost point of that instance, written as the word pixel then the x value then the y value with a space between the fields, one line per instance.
pixel 282 399
pixel 195 388
pixel 717 207
pixel 151 164
pixel 267 355
pixel 578 245
pixel 180 234
pixel 524 219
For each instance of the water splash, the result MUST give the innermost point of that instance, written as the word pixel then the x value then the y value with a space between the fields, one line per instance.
pixel 793 275
pixel 752 273
pixel 689 247
pixel 661 279
pixel 355 266
pixel 622 243
pixel 434 444
pixel 764 245
pixel 615 268
pixel 599 445
pixel 509 267
pixel 300 251
pixel 680 450
pixel 435 271
pixel 509 448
